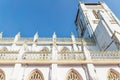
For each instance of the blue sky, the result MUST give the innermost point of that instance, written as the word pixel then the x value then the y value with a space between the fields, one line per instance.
pixel 42 16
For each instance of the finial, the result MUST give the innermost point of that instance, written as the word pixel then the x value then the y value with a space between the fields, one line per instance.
pixel 1 34
pixel 36 34
pixel 54 35
pixel 18 34
pixel 36 37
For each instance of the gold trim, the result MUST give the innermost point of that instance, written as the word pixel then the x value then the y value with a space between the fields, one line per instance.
pixel 60 61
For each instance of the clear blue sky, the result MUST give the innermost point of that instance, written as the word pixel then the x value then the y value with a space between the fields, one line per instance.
pixel 42 16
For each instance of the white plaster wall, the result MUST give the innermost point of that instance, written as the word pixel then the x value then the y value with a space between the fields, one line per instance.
pixel 102 70
pixel 8 70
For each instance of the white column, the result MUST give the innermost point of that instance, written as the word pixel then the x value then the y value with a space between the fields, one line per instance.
pixel 36 36
pixel 54 72
pixel 90 67
pixel 18 70
pixel 53 69
pixel 54 48
pixel 92 72
pixel 74 42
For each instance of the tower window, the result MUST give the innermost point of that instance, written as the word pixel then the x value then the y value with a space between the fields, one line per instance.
pixel 95 14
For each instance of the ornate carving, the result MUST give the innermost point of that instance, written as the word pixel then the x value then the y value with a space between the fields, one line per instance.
pixel 36 75
pixel 113 75
pixel 73 75
pixel 2 75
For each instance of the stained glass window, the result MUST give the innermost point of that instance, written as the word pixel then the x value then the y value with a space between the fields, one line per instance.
pixel 2 75
pixel 113 75
pixel 36 75
pixel 73 75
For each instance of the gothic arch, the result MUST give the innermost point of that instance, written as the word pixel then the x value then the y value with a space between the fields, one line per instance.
pixel 73 75
pixel 36 75
pixel 45 49
pixel 113 75
pixel 65 49
pixel 3 49
pixel 2 75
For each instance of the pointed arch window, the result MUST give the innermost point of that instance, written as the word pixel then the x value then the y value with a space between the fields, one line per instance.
pixel 2 75
pixel 36 75
pixel 95 14
pixel 65 49
pixel 73 75
pixel 113 75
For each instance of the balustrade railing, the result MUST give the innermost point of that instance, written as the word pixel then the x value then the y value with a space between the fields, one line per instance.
pixel 42 56
pixel 71 56
pixel 37 56
pixel 8 55
pixel 105 54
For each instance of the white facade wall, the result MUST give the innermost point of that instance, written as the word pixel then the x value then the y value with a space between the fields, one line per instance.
pixel 8 70
pixel 102 70
pixel 91 63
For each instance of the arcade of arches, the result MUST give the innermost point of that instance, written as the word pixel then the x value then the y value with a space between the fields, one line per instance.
pixel 71 75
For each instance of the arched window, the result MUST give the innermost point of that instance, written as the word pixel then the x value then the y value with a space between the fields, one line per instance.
pixel 3 49
pixel 73 75
pixel 95 14
pixel 45 49
pixel 35 75
pixel 65 49
pixel 2 75
pixel 113 75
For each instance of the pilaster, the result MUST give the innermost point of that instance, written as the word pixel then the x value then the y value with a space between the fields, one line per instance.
pixel 74 42
pixel 90 67
pixel 18 71
pixel 54 71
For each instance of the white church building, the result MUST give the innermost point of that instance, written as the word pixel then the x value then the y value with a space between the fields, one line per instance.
pixel 94 55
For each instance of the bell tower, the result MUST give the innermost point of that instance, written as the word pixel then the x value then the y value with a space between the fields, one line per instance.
pixel 96 20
